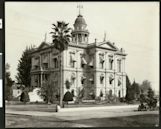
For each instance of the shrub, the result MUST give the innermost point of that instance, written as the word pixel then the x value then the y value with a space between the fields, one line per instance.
pixel 68 84
pixel 122 99
pixel 147 100
pixel 68 97
pixel 49 92
pixel 24 97
pixel 111 98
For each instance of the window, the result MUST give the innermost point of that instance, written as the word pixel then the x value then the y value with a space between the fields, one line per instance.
pixel 79 38
pixel 55 60
pixel 101 56
pixel 83 79
pixel 73 76
pixel 110 63
pixel 92 79
pixel 111 80
pixel 119 65
pixel 45 65
pixel 101 79
pixel 35 63
pixel 91 62
pixel 72 60
pixel 119 82
pixel 45 77
pixel 83 62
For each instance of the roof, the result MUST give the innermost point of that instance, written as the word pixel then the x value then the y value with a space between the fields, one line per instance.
pixel 102 45
pixel 80 20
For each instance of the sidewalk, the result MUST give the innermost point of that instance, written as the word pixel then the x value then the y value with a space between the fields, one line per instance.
pixel 97 108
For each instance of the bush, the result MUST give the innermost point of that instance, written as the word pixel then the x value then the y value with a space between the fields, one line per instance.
pixel 98 99
pixel 68 97
pixel 111 98
pixel 24 97
pixel 147 100
pixel 122 99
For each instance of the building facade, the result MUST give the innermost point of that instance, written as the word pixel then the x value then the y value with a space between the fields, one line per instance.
pixel 98 67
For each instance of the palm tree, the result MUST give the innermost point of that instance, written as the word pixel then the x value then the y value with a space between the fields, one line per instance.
pixel 60 40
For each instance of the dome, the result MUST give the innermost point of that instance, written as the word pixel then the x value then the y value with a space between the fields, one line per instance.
pixel 80 20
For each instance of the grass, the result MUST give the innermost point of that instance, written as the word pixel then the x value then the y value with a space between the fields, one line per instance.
pixel 148 120
pixel 32 107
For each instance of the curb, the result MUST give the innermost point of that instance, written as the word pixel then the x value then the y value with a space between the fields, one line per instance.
pixel 95 108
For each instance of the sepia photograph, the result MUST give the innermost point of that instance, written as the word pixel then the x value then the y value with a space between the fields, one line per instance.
pixel 81 64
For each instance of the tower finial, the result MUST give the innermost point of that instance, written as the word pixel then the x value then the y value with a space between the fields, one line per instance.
pixel 104 36
pixel 45 37
pixel 80 7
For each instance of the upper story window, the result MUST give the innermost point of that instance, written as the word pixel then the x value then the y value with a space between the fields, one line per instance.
pixel 35 63
pixel 45 65
pixel 83 61
pixel 79 38
pixel 119 82
pixel 91 63
pixel 102 79
pixel 72 60
pixel 55 61
pixel 73 77
pixel 83 78
pixel 111 80
pixel 91 79
pixel 101 61
pixel 45 58
pixel 110 63
pixel 119 65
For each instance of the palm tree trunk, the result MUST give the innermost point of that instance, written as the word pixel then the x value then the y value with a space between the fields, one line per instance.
pixel 61 79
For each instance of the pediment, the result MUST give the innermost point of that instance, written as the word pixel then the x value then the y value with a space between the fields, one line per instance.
pixel 107 45
pixel 43 45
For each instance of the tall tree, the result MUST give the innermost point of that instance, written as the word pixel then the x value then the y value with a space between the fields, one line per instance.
pixel 8 83
pixel 24 66
pixel 136 90
pixel 145 86
pixel 61 38
pixel 129 95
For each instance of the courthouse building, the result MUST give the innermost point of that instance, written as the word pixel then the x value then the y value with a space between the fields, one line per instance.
pixel 98 67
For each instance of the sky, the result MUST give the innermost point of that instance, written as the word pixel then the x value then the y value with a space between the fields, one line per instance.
pixel 133 26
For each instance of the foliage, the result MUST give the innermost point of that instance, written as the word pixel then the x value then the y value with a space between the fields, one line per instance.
pixel 136 90
pixel 24 66
pixel 68 84
pixel 145 86
pixel 49 92
pixel 142 98
pixel 109 98
pixel 80 94
pixel 68 97
pixel 60 40
pixel 24 97
pixel 129 95
pixel 8 83
pixel 147 101
pixel 152 102
pixel 60 35
pixel 133 91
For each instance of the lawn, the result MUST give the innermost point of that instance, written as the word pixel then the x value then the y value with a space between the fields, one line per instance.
pixel 32 107
pixel 148 120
